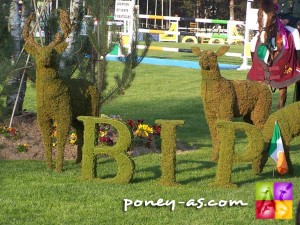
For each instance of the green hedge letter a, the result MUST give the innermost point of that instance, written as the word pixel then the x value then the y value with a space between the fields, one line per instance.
pixel 89 151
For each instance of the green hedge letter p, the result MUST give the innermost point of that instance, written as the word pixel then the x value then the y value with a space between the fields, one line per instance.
pixel 89 151
pixel 228 156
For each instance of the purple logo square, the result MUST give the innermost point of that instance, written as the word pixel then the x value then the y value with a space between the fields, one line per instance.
pixel 283 191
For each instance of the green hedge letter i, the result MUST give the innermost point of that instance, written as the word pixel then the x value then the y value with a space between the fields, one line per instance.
pixel 168 150
pixel 118 151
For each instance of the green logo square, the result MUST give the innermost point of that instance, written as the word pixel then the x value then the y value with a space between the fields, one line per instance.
pixel 264 191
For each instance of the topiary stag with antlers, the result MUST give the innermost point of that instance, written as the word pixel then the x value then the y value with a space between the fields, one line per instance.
pixel 59 100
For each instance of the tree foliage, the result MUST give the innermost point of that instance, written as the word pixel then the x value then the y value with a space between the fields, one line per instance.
pixel 103 44
pixel 212 9
pixel 6 49
pixel 5 39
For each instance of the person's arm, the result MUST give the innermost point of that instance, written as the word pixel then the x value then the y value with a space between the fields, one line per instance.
pixel 284 21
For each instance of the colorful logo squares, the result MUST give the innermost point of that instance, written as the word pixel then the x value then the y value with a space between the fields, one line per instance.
pixel 274 200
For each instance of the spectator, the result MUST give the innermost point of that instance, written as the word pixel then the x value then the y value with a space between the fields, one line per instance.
pixel 289 13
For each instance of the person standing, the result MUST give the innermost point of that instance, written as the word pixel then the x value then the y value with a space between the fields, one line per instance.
pixel 289 13
pixel 296 13
pixel 285 12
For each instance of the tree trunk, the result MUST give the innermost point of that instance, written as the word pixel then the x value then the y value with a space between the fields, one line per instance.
pixel 75 7
pixel 15 31
pixel 231 9
pixel 198 5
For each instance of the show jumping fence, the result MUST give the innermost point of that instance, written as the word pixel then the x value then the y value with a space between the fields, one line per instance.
pixel 199 30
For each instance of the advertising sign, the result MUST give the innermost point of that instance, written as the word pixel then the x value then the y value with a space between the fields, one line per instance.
pixel 124 9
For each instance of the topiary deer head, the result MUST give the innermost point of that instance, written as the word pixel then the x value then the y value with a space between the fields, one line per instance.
pixel 208 58
pixel 45 55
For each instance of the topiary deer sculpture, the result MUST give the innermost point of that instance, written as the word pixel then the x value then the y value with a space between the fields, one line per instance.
pixel 288 119
pixel 59 100
pixel 225 99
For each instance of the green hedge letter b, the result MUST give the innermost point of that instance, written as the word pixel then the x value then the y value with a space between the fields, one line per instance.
pixel 89 151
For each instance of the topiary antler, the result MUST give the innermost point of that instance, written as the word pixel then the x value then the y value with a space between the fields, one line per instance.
pixel 27 34
pixel 65 25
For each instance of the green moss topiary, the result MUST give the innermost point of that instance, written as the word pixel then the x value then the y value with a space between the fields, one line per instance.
pixel 228 157
pixel 124 163
pixel 58 100
pixel 168 149
pixel 288 119
pixel 224 99
pixel 84 102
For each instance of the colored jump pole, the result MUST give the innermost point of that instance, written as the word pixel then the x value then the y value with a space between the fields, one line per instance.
pixel 251 24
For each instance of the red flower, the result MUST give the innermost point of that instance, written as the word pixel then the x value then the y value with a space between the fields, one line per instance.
pixel 102 139
pixel 12 131
pixel 131 123
pixel 157 130
pixel 106 140
pixel 148 143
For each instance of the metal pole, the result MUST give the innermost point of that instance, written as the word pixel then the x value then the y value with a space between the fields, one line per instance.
pixel 99 61
pixel 56 6
pixel 170 13
pixel 147 12
pixel 71 6
pixel 18 94
pixel 155 13
pixel 246 39
pixel 162 13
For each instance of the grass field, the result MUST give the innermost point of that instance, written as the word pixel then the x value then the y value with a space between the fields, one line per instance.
pixel 30 194
pixel 190 56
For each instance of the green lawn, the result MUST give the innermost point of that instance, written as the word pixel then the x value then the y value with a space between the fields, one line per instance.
pixel 190 56
pixel 30 194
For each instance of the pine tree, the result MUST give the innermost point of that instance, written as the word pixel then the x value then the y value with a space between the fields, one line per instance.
pixel 5 41
pixel 101 10
pixel 5 51
pixel 14 81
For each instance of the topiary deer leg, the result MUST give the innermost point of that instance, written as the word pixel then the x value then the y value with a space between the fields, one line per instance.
pixel 94 99
pixel 224 113
pixel 257 116
pixel 79 131
pixel 215 140
pixel 62 136
pixel 46 128
pixel 286 147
